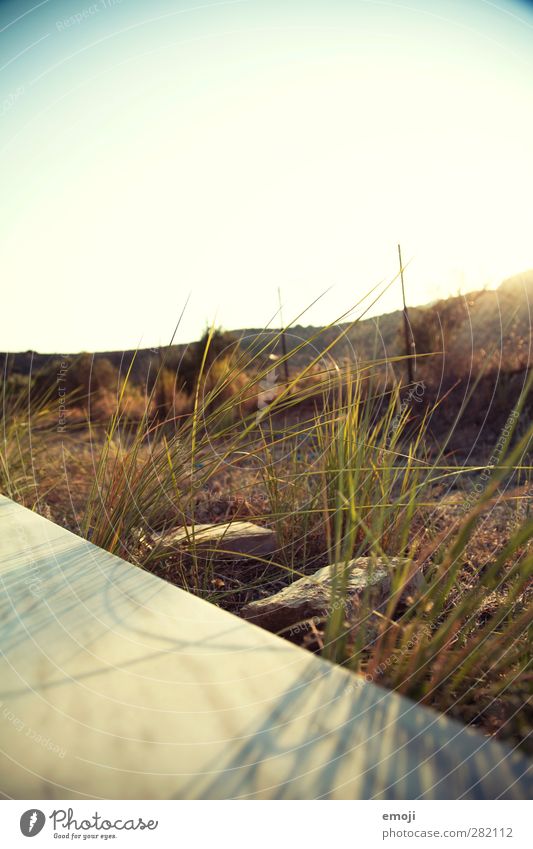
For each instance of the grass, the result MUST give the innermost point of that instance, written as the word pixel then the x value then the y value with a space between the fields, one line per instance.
pixel 462 645
pixel 21 414
pixel 339 465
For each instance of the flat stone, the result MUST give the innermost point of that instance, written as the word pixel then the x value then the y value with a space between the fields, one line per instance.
pixel 231 540
pixel 310 597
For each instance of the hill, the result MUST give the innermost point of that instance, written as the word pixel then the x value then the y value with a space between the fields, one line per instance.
pixel 492 327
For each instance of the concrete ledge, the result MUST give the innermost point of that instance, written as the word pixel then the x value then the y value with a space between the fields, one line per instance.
pixel 115 684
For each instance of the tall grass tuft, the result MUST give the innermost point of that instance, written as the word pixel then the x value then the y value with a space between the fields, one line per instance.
pixel 22 413
pixel 462 644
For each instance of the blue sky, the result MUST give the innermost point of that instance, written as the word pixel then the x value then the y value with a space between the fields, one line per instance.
pixel 152 150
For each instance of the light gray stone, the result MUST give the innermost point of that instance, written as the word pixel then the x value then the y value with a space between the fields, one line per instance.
pixel 230 540
pixel 311 596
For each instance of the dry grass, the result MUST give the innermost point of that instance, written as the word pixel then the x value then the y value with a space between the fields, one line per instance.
pixel 336 464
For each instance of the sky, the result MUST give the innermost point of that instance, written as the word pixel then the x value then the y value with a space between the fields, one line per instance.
pixel 154 152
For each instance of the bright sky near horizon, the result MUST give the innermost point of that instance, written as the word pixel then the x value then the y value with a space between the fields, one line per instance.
pixel 149 150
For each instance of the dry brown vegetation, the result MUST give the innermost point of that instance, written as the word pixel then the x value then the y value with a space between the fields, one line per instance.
pixel 343 460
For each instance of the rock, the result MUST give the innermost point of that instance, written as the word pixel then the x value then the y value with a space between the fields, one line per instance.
pixel 310 597
pixel 232 540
